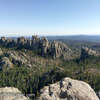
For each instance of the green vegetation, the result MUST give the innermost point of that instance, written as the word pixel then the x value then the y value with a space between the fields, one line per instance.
pixel 44 71
pixel 29 81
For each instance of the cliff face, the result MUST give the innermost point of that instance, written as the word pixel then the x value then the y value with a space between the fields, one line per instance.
pixel 68 89
pixel 54 49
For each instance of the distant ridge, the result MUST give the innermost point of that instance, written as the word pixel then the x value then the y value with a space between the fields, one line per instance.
pixel 90 38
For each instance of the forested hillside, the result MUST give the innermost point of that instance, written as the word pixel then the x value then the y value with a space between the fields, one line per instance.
pixel 29 70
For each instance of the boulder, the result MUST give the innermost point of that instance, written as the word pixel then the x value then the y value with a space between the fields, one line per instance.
pixel 68 89
pixel 11 93
pixel 5 64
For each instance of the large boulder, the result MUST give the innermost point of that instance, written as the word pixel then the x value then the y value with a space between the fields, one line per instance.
pixel 11 93
pixel 68 89
pixel 5 64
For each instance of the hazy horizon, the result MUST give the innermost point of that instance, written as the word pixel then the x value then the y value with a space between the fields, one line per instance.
pixel 49 17
pixel 19 35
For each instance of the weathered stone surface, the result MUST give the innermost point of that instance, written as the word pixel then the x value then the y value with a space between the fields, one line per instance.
pixel 90 51
pixel 68 89
pixel 11 93
pixel 18 58
pixel 5 63
pixel 42 46
pixel 86 52
pixel 98 93
pixel 59 49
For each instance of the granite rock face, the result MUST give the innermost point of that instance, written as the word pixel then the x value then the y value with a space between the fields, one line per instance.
pixel 44 47
pixel 68 89
pixel 59 49
pixel 86 52
pixel 5 64
pixel 11 93
pixel 18 58
pixel 90 51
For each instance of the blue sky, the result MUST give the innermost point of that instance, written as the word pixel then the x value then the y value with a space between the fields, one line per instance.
pixel 49 17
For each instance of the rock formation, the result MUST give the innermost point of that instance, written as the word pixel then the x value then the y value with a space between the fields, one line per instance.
pixel 5 64
pixel 42 46
pixel 3 39
pixel 11 93
pixel 59 49
pixel 86 52
pixel 18 58
pixel 68 89
pixel 35 44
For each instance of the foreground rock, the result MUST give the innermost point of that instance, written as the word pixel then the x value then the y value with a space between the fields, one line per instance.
pixel 68 89
pixel 10 93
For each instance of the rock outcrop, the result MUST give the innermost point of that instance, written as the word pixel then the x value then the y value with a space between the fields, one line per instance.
pixel 5 64
pixel 11 93
pixel 86 52
pixel 42 46
pixel 68 89
pixel 59 49
pixel 18 58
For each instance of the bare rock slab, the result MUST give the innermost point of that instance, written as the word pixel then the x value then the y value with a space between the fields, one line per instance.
pixel 68 89
pixel 11 93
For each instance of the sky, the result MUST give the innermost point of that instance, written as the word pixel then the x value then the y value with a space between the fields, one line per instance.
pixel 49 17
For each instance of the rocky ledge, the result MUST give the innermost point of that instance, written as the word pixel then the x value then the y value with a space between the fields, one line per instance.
pixel 68 89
